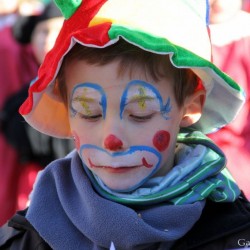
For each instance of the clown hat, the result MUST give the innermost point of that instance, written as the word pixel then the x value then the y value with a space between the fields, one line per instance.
pixel 175 27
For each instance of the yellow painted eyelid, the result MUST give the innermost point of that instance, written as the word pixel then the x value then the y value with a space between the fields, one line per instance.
pixel 83 99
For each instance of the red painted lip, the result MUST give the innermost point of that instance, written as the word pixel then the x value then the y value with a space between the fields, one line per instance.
pixel 121 169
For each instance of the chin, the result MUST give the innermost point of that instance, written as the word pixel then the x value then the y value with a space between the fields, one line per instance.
pixel 121 186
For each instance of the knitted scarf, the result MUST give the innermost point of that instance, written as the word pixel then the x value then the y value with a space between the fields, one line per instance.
pixel 70 211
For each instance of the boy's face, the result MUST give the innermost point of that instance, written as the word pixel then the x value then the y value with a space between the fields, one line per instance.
pixel 125 127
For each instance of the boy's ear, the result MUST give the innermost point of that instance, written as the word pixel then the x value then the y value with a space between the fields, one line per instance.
pixel 192 108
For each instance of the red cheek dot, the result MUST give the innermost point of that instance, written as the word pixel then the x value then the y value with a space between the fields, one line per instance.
pixel 76 140
pixel 161 140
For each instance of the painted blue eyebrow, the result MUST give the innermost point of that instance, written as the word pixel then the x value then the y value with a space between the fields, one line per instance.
pixel 164 109
pixel 96 87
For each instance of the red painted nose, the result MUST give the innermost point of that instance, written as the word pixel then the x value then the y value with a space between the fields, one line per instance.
pixel 113 143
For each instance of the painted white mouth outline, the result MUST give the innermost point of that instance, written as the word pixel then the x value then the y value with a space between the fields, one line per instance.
pixel 113 157
pixel 144 164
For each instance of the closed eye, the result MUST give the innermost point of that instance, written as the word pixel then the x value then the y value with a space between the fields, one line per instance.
pixel 91 118
pixel 141 118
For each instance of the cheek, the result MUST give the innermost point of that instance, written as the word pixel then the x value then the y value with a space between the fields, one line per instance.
pixel 76 139
pixel 161 140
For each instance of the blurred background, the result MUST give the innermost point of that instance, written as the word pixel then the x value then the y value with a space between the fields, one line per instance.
pixel 28 29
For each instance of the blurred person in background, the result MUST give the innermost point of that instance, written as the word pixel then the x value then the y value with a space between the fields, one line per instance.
pixel 17 65
pixel 34 150
pixel 230 37
pixel 31 7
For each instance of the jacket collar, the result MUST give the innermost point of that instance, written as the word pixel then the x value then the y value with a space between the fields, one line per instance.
pixel 215 224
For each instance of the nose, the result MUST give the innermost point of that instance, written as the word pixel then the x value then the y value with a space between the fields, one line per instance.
pixel 113 143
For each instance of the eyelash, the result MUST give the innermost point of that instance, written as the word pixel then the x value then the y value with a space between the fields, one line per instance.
pixel 141 118
pixel 136 118
pixel 91 118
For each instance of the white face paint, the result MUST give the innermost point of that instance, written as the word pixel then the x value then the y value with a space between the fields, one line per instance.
pixel 125 127
pixel 144 159
pixel 88 101
pixel 143 99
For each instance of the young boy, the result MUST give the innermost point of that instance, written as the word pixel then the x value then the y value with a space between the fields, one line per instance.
pixel 132 83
